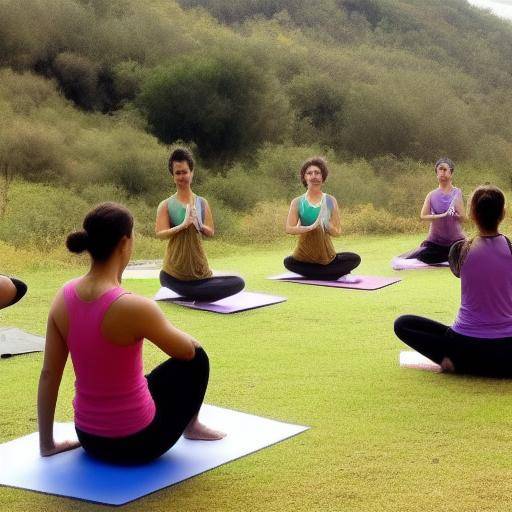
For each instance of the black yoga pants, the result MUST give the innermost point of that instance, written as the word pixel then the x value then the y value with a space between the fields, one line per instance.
pixel 207 290
pixel 477 356
pixel 178 389
pixel 429 253
pixel 342 264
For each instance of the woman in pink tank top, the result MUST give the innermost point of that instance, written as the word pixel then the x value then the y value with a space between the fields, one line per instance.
pixel 121 416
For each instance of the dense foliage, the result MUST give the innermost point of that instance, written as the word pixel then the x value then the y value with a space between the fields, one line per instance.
pixel 93 92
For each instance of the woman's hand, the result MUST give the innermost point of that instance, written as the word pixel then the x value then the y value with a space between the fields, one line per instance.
pixel 59 447
pixel 452 212
pixel 190 216
pixel 307 229
pixel 195 219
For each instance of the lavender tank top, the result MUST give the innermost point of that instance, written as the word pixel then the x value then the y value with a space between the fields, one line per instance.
pixel 486 290
pixel 447 230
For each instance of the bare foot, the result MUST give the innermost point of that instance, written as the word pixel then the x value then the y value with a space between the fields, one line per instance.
pixel 196 431
pixel 447 365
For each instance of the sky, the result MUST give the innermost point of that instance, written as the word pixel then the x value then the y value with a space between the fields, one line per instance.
pixel 502 8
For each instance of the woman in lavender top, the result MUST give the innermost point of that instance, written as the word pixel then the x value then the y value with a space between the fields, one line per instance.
pixel 444 209
pixel 480 339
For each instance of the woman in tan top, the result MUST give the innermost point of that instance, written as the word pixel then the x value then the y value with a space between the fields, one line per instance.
pixel 183 219
pixel 315 217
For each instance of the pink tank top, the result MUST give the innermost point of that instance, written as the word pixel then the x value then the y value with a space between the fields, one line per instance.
pixel 112 398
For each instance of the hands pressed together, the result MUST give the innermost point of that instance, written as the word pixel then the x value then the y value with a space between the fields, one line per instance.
pixel 191 217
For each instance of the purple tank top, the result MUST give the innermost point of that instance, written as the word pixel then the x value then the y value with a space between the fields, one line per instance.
pixel 486 290
pixel 447 230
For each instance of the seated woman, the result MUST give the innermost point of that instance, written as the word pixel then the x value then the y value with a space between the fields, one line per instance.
pixel 11 290
pixel 120 416
pixel 444 209
pixel 182 219
pixel 480 340
pixel 314 216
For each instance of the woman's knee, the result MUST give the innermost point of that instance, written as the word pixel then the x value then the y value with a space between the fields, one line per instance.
pixel 164 278
pixel 402 324
pixel 21 289
pixel 349 257
pixel 288 262
pixel 233 284
pixel 200 359
pixel 8 292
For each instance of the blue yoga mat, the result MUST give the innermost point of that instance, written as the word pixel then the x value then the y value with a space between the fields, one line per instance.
pixel 76 475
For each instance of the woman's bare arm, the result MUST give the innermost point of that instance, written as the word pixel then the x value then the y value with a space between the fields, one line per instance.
pixel 425 211
pixel 55 357
pixel 334 226
pixel 132 317
pixel 293 226
pixel 163 228
pixel 207 228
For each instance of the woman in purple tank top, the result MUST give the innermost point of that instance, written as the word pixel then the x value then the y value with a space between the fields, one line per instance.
pixel 480 340
pixel 444 209
pixel 121 416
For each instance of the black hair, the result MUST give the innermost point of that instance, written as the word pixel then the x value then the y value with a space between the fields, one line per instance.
pixel 446 161
pixel 181 155
pixel 486 207
pixel 103 228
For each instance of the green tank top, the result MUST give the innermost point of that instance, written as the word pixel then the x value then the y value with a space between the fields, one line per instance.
pixel 177 210
pixel 308 213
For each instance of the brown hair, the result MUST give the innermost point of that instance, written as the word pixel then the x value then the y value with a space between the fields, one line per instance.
pixel 181 155
pixel 319 162
pixel 103 228
pixel 486 207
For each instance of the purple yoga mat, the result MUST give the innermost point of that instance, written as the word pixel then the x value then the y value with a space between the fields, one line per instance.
pixel 241 301
pixel 414 264
pixel 365 283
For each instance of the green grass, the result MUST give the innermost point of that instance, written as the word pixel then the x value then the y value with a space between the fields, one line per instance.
pixel 382 438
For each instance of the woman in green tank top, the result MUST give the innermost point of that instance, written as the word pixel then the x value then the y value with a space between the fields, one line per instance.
pixel 183 219
pixel 315 217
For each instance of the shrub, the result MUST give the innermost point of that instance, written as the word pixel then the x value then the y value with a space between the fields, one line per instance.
pixel 366 219
pixel 265 223
pixel 225 105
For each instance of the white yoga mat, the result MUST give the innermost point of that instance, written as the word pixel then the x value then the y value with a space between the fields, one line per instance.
pixel 76 475
pixel 417 361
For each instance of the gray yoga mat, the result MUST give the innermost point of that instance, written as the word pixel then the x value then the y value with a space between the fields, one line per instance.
pixel 14 341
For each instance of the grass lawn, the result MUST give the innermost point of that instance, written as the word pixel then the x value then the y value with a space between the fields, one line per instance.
pixel 382 438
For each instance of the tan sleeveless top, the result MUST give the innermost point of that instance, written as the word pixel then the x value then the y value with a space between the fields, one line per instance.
pixel 315 247
pixel 185 258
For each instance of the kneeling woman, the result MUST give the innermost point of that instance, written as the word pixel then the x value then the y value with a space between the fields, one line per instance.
pixel 480 340
pixel 183 219
pixel 120 416
pixel 444 209
pixel 314 216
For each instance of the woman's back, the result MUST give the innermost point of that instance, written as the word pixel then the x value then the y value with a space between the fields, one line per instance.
pixel 112 397
pixel 486 288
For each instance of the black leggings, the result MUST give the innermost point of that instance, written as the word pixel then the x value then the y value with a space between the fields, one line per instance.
pixel 178 389
pixel 206 290
pixel 429 253
pixel 342 264
pixel 478 356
